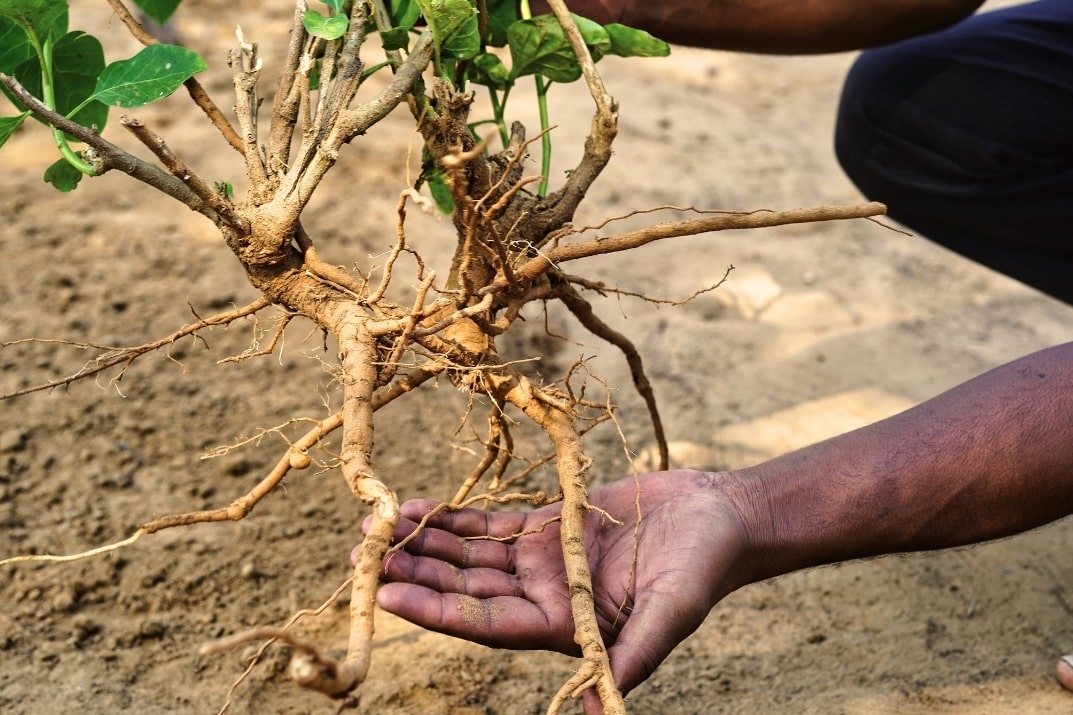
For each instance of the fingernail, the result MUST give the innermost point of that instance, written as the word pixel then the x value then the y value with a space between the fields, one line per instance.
pixel 1068 660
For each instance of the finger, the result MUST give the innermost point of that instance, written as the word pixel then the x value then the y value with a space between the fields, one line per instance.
pixel 502 622
pixel 460 552
pixel 448 546
pixel 467 522
pixel 658 623
pixel 444 577
pixel 592 703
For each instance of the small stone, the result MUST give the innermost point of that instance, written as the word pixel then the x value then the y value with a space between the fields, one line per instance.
pixel 12 440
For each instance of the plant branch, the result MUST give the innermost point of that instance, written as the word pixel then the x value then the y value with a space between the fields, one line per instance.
pixel 197 92
pixel 287 102
pixel 104 155
pixel 304 176
pixel 297 187
pixel 182 171
pixel 560 206
pixel 245 69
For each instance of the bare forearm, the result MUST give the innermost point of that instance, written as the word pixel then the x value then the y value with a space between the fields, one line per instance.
pixel 990 458
pixel 779 26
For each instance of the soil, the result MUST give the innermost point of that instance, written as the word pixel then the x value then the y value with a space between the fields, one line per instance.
pixel 819 329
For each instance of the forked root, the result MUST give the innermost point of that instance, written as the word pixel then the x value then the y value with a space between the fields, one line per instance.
pixel 311 668
pixel 573 466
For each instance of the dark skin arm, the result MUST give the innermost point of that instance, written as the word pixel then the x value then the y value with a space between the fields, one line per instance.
pixel 778 26
pixel 990 458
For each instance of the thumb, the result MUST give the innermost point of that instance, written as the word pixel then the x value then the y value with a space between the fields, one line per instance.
pixel 632 661
pixel 656 626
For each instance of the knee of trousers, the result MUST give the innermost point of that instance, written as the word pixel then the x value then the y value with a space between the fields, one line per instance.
pixel 861 125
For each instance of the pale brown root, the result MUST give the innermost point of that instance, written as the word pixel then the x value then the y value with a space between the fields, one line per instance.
pixel 242 506
pixel 253 351
pixel 493 454
pixel 125 356
pixel 308 668
pixel 215 646
pixel 603 289
pixel 582 310
pixel 36 558
pixel 578 683
pixel 532 498
pixel 552 256
pixel 573 468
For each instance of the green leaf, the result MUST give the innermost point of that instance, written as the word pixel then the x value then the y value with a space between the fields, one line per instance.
pixel 330 28
pixel 501 13
pixel 77 60
pixel 454 27
pixel 335 5
pixel 158 10
pixel 152 74
pixel 594 35
pixel 63 176
pixel 397 38
pixel 42 18
pixel 404 13
pixel 489 70
pixel 630 42
pixel 539 46
pixel 8 126
pixel 15 46
pixel 440 191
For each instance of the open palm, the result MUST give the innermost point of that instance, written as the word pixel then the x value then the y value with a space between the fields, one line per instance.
pixel 499 578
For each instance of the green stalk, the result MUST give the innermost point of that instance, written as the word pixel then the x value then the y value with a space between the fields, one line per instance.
pixel 44 53
pixel 497 112
pixel 545 135
pixel 542 105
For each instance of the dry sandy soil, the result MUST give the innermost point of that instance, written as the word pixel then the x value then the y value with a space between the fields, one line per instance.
pixel 819 329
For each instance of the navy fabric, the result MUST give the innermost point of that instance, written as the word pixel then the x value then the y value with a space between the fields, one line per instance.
pixel 967 136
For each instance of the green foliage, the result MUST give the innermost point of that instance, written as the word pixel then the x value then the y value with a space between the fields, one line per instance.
pixel 15 47
pixel 630 42
pixel 319 25
pixel 454 27
pixel 404 13
pixel 8 125
pixel 77 59
pixel 501 14
pixel 489 70
pixel 38 18
pixel 539 46
pixel 62 175
pixel 66 71
pixel 152 74
pixel 158 10
pixel 440 191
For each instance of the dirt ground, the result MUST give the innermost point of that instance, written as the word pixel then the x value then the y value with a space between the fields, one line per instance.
pixel 819 329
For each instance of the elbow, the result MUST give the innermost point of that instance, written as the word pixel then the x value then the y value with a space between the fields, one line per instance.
pixel 935 15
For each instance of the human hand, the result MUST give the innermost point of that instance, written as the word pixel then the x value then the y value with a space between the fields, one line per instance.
pixel 513 593
pixel 601 11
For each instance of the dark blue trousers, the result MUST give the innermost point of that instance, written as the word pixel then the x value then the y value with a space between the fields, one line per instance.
pixel 967 136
